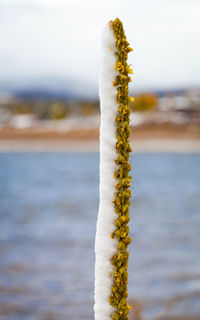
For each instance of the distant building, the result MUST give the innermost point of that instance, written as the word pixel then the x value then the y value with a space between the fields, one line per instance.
pixel 185 101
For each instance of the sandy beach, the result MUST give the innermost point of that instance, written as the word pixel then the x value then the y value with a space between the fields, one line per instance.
pixel 160 138
pixel 56 145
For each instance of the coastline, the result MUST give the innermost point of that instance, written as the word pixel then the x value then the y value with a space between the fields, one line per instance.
pixel 163 145
pixel 144 139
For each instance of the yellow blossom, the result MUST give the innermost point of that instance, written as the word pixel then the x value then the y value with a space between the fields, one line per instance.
pixel 122 199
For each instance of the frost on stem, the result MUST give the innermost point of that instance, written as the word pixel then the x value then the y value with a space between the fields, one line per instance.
pixel 112 237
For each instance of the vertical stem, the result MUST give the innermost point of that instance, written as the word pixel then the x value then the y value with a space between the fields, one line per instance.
pixel 112 238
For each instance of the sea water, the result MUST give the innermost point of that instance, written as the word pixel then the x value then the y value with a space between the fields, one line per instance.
pixel 48 213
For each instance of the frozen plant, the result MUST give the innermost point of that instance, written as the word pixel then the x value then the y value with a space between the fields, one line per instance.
pixel 112 235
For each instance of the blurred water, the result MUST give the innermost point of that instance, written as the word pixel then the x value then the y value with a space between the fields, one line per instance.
pixel 48 212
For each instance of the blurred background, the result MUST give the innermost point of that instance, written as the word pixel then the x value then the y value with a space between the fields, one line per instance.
pixel 49 158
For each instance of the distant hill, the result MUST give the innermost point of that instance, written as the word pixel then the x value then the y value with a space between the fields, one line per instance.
pixel 47 89
pixel 44 94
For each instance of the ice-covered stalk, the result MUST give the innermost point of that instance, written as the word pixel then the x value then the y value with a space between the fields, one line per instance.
pixel 112 239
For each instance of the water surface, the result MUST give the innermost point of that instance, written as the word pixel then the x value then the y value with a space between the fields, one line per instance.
pixel 48 212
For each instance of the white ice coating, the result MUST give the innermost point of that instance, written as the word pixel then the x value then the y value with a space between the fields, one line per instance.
pixel 105 246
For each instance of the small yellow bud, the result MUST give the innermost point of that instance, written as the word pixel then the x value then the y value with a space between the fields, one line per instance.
pixel 130 70
pixel 129 49
pixel 131 99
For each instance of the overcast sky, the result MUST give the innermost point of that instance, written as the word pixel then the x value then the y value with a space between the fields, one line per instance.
pixel 61 39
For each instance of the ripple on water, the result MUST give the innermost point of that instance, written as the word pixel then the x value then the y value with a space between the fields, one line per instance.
pixel 48 213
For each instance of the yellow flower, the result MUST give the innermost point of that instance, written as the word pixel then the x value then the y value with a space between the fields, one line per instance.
pixel 119 66
pixel 131 99
pixel 129 70
pixel 129 49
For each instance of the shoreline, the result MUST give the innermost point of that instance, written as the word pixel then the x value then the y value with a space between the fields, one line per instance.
pixel 144 139
pixel 155 145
